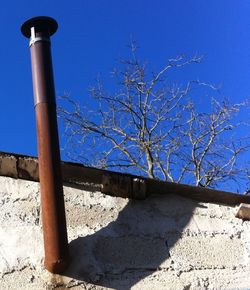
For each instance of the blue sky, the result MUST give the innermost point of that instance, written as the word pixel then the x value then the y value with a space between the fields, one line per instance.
pixel 93 34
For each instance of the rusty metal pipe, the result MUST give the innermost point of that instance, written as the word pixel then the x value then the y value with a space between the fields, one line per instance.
pixel 39 30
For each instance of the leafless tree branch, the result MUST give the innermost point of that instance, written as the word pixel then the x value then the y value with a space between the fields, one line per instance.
pixel 154 128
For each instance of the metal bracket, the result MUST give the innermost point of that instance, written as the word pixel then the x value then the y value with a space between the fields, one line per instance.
pixel 34 39
pixel 243 211
pixel 123 186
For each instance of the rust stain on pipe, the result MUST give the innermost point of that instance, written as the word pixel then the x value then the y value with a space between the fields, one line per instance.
pixel 39 30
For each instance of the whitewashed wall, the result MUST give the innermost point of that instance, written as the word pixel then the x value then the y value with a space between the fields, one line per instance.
pixel 165 242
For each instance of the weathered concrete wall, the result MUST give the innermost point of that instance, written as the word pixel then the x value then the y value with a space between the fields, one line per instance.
pixel 165 242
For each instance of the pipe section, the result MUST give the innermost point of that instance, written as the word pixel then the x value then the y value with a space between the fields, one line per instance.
pixel 39 30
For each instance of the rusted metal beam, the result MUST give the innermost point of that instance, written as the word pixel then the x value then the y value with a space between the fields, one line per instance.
pixel 109 182
pixel 39 30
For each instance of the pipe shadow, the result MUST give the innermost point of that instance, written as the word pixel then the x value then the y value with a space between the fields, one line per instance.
pixel 135 245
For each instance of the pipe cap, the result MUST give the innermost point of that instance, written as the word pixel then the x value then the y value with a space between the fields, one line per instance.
pixel 41 24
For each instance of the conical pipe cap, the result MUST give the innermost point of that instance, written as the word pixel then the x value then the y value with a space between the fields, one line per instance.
pixel 41 23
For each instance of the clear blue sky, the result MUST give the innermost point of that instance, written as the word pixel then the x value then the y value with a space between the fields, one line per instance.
pixel 93 34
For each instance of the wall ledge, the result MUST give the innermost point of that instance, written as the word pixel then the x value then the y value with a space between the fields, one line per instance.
pixel 113 183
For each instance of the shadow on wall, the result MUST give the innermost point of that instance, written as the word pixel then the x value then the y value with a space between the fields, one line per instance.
pixel 135 245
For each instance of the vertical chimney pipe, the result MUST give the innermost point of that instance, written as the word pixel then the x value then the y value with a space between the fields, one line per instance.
pixel 39 30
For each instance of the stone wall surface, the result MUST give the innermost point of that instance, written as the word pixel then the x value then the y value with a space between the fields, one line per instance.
pixel 162 242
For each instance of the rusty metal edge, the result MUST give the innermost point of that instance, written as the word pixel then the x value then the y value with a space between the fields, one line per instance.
pixel 78 174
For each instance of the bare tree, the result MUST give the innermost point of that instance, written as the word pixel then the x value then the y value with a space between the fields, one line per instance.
pixel 152 127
